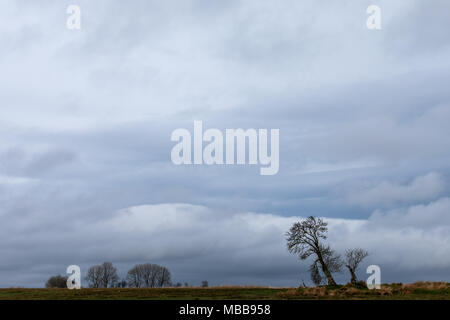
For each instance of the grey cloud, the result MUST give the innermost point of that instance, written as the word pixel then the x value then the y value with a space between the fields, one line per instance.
pixel 174 234
pixel 17 162
pixel 423 188
pixel 431 215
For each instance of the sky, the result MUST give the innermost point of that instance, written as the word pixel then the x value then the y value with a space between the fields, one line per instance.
pixel 86 118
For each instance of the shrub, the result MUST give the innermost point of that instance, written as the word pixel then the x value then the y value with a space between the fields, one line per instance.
pixel 56 282
pixel 314 291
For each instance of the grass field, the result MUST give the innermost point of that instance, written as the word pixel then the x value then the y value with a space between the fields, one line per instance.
pixel 419 290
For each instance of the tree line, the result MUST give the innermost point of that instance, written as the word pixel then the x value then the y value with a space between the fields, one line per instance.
pixel 306 238
pixel 105 275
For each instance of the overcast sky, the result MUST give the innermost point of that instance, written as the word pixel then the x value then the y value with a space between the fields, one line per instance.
pixel 86 117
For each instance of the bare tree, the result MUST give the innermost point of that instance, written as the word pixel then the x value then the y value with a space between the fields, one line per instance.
pixel 109 275
pixel 304 238
pixel 149 276
pixel 93 276
pixel 332 261
pixel 102 276
pixel 135 277
pixel 353 258
pixel 56 282
pixel 164 277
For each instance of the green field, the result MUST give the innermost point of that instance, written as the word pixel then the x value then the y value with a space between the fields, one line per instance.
pixel 421 290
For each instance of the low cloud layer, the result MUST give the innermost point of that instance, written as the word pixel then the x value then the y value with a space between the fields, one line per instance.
pixel 197 243
pixel 423 188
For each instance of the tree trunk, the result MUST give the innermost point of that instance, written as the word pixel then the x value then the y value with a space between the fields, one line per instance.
pixel 330 279
pixel 327 272
pixel 352 272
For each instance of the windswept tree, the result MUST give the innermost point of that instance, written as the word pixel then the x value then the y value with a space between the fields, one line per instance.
pixel 353 258
pixel 332 261
pixel 56 282
pixel 148 276
pixel 102 276
pixel 305 239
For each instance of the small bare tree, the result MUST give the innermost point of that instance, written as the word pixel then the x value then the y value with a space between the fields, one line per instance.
pixel 122 284
pixel 304 238
pixel 353 258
